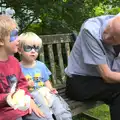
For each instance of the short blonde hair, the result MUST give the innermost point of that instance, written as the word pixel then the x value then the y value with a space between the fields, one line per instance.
pixel 29 38
pixel 6 26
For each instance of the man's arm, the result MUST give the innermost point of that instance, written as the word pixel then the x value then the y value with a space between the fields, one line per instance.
pixel 108 75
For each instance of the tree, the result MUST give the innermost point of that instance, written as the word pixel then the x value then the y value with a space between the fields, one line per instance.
pixel 58 16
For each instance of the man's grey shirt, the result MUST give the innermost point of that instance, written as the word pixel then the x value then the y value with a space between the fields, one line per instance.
pixel 89 50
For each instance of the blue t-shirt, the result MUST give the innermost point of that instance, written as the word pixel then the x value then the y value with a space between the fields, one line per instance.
pixel 39 74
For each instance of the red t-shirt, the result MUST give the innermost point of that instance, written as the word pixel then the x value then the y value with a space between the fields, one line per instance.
pixel 9 70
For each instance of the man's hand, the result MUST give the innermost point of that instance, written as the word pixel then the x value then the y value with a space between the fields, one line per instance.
pixel 35 109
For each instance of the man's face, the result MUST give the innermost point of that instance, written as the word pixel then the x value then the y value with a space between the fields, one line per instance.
pixel 116 38
pixel 111 37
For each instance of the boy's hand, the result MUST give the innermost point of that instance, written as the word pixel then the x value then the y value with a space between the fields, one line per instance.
pixel 30 83
pixel 35 109
pixel 53 91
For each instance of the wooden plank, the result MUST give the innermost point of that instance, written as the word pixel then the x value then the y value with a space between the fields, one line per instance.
pixel 52 64
pixel 61 64
pixel 57 38
pixel 67 49
pixel 84 106
pixel 41 55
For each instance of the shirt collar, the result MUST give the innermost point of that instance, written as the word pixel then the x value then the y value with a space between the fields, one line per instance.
pixel 103 28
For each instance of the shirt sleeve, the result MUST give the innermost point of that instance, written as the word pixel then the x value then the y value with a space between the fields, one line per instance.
pixel 91 49
pixel 46 73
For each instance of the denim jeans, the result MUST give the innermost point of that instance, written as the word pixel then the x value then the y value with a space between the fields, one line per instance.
pixel 32 116
pixel 19 118
pixel 59 107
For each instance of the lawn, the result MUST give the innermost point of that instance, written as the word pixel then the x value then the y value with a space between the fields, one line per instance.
pixel 101 112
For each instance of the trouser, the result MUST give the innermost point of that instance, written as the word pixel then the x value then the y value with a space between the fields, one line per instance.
pixel 39 100
pixel 59 107
pixel 19 118
pixel 89 88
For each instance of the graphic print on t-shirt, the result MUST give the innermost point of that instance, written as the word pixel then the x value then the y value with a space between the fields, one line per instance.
pixel 37 79
pixel 11 82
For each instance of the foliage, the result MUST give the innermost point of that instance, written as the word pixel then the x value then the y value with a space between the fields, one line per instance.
pixel 107 7
pixel 58 16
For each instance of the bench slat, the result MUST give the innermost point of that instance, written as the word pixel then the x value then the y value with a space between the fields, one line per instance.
pixel 57 38
pixel 41 55
pixel 67 47
pixel 52 64
pixel 60 59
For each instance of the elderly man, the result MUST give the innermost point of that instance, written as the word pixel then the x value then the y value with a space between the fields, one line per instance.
pixel 89 70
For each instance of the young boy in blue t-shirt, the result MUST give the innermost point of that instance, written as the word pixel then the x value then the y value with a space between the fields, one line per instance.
pixel 37 74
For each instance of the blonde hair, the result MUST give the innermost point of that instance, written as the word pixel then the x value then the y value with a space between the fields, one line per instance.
pixel 6 26
pixel 29 38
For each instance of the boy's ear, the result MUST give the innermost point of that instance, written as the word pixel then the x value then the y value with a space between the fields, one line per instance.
pixel 1 43
pixel 19 51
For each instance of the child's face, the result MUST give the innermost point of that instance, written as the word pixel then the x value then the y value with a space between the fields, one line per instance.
pixel 30 52
pixel 11 43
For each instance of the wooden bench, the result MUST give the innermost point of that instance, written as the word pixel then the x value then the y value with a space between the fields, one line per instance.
pixel 54 53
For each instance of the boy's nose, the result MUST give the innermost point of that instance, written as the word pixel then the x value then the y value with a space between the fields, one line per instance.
pixel 18 40
pixel 33 50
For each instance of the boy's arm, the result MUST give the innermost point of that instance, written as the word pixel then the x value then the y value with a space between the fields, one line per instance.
pixel 49 85
pixel 3 100
pixel 23 83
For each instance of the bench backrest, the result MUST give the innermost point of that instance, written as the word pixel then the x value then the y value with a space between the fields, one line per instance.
pixel 54 53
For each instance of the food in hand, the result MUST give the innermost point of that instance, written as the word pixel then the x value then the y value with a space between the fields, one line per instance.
pixel 19 100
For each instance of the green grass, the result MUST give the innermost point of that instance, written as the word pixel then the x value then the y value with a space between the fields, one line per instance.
pixel 101 112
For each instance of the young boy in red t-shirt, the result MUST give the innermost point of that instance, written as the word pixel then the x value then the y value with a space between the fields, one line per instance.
pixel 11 77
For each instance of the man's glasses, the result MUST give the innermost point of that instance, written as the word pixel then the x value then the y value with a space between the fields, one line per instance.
pixel 28 48
pixel 13 35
